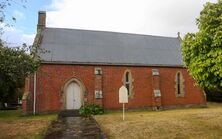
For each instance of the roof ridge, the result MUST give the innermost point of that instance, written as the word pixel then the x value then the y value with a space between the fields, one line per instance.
pixel 112 32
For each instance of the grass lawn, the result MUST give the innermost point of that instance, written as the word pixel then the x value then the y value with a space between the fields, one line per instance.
pixel 13 125
pixel 201 123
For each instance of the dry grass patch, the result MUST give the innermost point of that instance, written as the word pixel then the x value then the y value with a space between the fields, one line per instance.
pixel 203 123
pixel 14 125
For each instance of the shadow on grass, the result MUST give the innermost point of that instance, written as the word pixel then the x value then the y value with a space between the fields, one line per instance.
pixel 17 115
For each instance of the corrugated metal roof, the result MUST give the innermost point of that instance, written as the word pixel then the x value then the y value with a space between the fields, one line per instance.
pixel 100 47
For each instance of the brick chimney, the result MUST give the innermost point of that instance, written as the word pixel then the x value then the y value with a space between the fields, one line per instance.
pixel 41 20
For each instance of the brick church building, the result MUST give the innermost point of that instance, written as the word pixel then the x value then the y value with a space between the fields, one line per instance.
pixel 81 67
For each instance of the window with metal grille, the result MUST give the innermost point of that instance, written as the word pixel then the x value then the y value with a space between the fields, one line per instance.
pixel 127 81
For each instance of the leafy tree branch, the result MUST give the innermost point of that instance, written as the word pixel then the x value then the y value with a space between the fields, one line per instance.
pixel 202 51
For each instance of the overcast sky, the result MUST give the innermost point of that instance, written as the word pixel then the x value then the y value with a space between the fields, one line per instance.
pixel 152 17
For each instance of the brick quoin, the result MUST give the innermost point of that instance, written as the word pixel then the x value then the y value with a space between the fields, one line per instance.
pixel 156 86
pixel 98 87
pixel 51 79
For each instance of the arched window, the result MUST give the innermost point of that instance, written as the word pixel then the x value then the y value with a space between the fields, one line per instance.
pixel 127 81
pixel 179 85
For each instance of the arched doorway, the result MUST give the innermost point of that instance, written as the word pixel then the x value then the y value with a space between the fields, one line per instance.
pixel 73 95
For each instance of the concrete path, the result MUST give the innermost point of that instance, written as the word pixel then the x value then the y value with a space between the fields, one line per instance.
pixel 74 128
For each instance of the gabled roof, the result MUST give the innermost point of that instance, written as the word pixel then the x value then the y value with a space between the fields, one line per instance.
pixel 73 46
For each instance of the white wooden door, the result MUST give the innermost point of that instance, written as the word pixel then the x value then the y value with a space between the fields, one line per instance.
pixel 73 96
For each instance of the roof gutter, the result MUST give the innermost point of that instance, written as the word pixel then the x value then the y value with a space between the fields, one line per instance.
pixel 110 64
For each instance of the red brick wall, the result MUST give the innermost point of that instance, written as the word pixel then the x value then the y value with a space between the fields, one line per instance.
pixel 51 79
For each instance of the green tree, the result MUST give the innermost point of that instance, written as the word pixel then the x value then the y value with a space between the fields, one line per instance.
pixel 15 66
pixel 202 51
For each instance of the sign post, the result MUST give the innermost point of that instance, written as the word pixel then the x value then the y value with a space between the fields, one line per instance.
pixel 123 98
pixel 123 112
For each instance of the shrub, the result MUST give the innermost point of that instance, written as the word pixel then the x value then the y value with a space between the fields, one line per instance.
pixel 92 109
pixel 214 95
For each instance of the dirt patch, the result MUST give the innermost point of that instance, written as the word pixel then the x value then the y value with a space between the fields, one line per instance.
pixel 22 129
pixel 55 130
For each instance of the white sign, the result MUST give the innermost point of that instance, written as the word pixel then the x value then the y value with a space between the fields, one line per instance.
pixel 123 95
pixel 123 98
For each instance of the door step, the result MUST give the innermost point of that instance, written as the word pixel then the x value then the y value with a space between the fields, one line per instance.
pixel 69 113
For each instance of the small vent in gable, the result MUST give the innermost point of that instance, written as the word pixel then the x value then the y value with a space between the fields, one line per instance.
pixel 98 71
pixel 155 72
